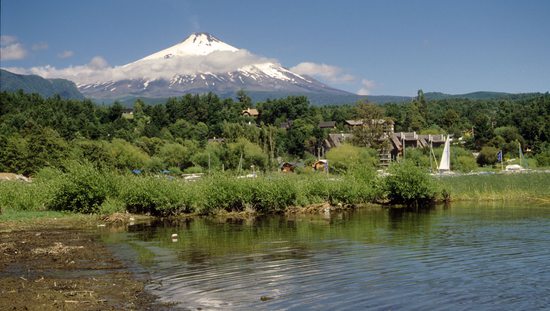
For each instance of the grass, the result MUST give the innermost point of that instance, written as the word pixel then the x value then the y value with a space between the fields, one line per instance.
pixel 84 189
pixel 12 215
pixel 532 186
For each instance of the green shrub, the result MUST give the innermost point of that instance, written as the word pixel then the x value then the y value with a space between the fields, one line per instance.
pixel 82 188
pixel 273 195
pixel 487 156
pixel 111 206
pixel 410 185
pixel 226 193
pixel 154 195
pixel 543 158
pixel 314 189
pixel 464 163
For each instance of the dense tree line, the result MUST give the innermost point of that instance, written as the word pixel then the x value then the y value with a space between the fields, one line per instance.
pixel 36 132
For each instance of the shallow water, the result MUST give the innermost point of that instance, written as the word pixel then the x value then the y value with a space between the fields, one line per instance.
pixel 464 257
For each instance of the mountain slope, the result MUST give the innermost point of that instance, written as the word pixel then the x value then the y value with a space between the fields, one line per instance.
pixel 202 63
pixel 12 82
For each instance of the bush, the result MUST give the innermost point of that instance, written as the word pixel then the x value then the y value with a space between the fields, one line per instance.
pixel 348 157
pixel 273 195
pixel 82 188
pixel 155 196
pixel 111 206
pixel 313 190
pixel 487 156
pixel 543 158
pixel 226 193
pixel 410 185
pixel 465 164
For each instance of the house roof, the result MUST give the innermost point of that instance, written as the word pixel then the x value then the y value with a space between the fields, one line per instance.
pixel 354 122
pixel 327 124
pixel 253 112
pixel 438 138
pixel 372 121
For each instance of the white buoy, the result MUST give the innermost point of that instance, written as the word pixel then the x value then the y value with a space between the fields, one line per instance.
pixel 174 235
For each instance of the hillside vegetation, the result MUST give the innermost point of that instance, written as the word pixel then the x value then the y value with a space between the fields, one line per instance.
pixel 37 132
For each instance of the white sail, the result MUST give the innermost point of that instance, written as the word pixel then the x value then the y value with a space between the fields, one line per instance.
pixel 445 164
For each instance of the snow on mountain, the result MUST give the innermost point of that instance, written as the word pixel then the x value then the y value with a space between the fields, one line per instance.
pixel 196 44
pixel 201 63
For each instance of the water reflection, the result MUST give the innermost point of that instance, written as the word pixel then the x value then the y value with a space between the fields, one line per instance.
pixel 463 256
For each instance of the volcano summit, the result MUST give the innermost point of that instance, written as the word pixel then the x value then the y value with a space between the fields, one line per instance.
pixel 203 63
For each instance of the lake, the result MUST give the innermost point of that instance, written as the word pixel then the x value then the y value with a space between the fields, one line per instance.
pixel 462 257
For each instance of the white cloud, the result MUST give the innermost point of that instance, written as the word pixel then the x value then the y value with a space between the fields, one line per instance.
pixel 39 46
pixel 65 54
pixel 98 62
pixel 11 49
pixel 366 87
pixel 7 40
pixel 327 72
pixel 98 70
pixel 334 74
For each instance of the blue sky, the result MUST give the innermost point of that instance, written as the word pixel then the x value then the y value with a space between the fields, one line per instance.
pixel 372 47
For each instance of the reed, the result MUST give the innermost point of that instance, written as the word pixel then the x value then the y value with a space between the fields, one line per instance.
pixel 84 189
pixel 524 186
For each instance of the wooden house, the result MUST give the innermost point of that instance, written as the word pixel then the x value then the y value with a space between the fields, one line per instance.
pixel 320 166
pixel 250 112
pixel 327 125
pixel 388 125
pixel 287 167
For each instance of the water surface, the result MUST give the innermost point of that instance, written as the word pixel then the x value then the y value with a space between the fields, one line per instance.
pixel 464 257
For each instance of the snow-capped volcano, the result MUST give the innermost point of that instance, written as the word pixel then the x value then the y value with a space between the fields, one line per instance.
pixel 201 63
pixel 196 44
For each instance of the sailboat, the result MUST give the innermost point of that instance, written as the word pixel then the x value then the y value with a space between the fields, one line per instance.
pixel 445 164
pixel 516 167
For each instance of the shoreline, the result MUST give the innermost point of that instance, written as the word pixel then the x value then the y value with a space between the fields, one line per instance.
pixel 53 268
pixel 56 263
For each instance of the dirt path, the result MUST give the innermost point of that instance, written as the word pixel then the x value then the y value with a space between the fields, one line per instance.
pixel 65 269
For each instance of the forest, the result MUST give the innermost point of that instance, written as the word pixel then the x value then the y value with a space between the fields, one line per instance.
pixel 203 132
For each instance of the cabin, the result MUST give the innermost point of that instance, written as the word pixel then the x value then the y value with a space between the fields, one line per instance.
pixel 414 140
pixel 320 166
pixel 250 112
pixel 287 167
pixel 350 124
pixel 388 125
pixel 327 125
